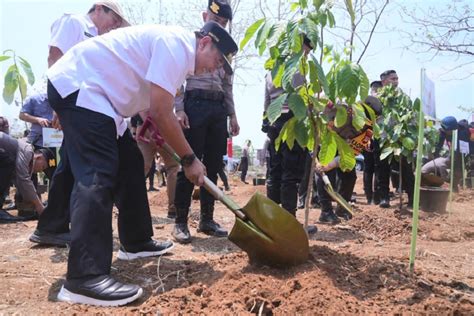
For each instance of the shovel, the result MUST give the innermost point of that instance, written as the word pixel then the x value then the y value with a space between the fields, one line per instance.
pixel 333 194
pixel 265 231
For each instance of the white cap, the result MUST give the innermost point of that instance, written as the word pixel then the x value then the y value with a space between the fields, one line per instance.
pixel 114 6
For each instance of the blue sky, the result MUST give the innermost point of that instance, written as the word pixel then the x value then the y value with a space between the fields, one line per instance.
pixel 25 27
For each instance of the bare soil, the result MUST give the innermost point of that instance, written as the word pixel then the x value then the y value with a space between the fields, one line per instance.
pixel 357 267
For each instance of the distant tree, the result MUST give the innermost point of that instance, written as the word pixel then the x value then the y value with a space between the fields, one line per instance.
pixel 444 31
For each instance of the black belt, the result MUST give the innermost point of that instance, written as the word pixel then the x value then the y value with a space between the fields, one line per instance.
pixel 205 94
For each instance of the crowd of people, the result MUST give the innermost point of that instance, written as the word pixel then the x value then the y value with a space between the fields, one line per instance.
pixel 102 71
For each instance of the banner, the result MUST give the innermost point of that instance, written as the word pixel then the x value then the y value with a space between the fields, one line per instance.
pixel 428 97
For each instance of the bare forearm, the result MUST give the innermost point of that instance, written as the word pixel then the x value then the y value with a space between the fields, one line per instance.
pixel 28 118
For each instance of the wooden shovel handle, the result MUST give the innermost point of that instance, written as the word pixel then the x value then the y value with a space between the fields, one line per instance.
pixel 208 184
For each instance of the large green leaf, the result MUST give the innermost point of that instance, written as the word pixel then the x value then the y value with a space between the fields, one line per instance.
pixel 274 109
pixel 331 19
pixel 387 151
pixel 290 69
pixel 347 159
pixel 318 3
pixel 277 74
pixel 4 57
pixel 358 116
pixel 289 132
pixel 348 81
pixel 321 76
pixel 364 84
pixel 328 148
pixel 27 69
pixel 22 87
pixel 301 134
pixel 408 143
pixel 350 10
pixel 311 30
pixel 297 106
pixel 341 116
pixel 10 84
pixel 250 32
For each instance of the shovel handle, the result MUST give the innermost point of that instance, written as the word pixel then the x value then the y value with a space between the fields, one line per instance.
pixel 155 135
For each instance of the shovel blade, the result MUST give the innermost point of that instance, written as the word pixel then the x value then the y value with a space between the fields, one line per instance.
pixel 339 199
pixel 270 234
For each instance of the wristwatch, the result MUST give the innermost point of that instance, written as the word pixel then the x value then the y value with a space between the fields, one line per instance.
pixel 187 160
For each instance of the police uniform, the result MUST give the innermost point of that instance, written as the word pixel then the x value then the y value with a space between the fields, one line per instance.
pixel 286 166
pixel 207 100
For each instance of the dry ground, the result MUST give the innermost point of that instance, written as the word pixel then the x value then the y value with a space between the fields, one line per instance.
pixel 357 267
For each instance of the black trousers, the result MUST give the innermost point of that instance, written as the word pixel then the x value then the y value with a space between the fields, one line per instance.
pixel 7 168
pixel 105 169
pixel 342 182
pixel 244 167
pixel 303 186
pixel 408 177
pixel 371 165
pixel 286 169
pixel 223 177
pixel 207 136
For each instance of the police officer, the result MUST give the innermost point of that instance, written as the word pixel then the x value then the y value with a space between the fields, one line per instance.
pixel 202 111
pixel 18 161
pixel 286 166
pixel 93 88
pixel 66 32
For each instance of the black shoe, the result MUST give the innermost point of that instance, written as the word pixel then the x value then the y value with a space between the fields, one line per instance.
pixel 328 217
pixel 51 239
pixel 384 203
pixel 343 213
pixel 6 217
pixel 181 233
pixel 301 205
pixel 227 188
pixel 210 227
pixel 244 181
pixel 311 230
pixel 369 201
pixel 150 248
pixel 153 189
pixel 100 291
pixel 11 206
pixel 171 214
pixel 376 200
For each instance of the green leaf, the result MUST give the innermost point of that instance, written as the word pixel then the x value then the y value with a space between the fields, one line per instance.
pixel 408 143
pixel 311 30
pixel 250 32
pixel 10 84
pixel 289 132
pixel 417 105
pixel 328 148
pixel 341 116
pixel 347 159
pixel 277 75
pixel 4 57
pixel 290 69
pixel 348 81
pixel 297 106
pixel 372 115
pixel 274 109
pixel 261 38
pixel 22 87
pixel 364 84
pixel 350 10
pixel 27 69
pixel 358 117
pixel 304 4
pixel 301 133
pixel 387 151
pixel 318 3
pixel 321 76
pixel 331 19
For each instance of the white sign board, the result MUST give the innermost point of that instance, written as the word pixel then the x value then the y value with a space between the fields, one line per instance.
pixel 464 147
pixel 428 97
pixel 52 137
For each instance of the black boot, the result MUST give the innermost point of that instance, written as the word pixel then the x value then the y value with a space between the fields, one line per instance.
pixel 181 232
pixel 207 225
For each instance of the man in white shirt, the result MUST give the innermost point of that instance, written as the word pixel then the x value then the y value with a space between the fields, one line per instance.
pixel 93 88
pixel 67 31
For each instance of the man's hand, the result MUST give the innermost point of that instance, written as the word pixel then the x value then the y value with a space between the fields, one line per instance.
pixel 320 168
pixel 43 122
pixel 234 125
pixel 195 172
pixel 55 122
pixel 182 119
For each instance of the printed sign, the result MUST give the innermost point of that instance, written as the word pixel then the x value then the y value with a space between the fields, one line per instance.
pixel 428 97
pixel 464 147
pixel 52 137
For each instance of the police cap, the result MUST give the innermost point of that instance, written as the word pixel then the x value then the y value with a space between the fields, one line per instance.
pixel 223 42
pixel 220 8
